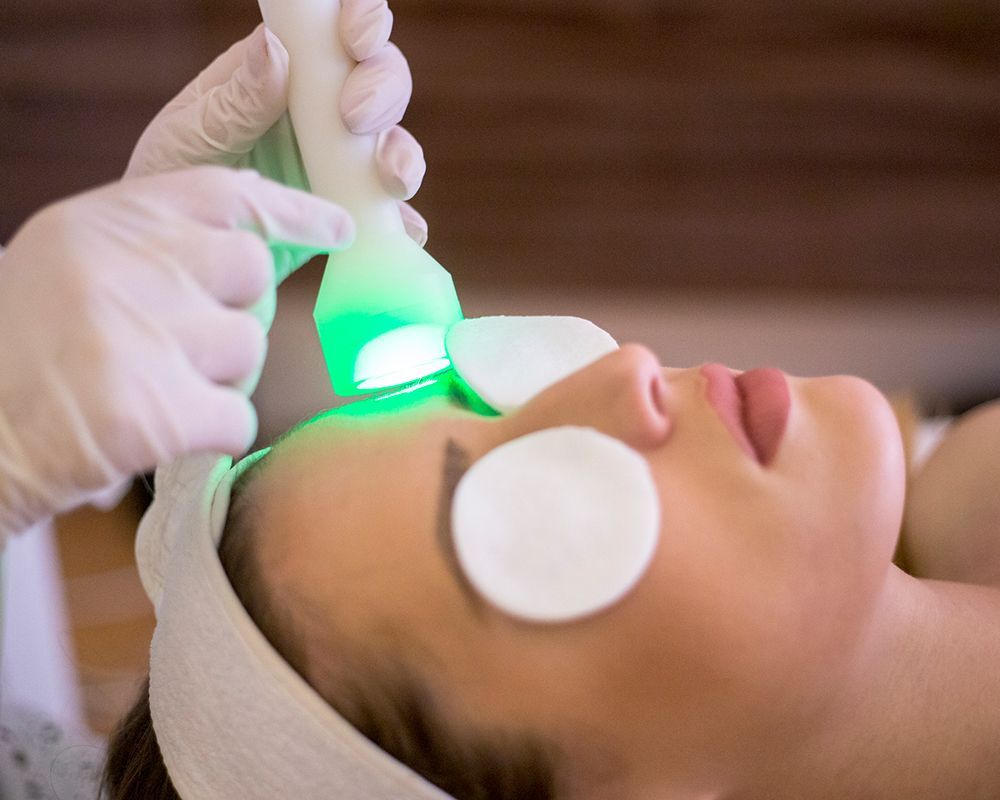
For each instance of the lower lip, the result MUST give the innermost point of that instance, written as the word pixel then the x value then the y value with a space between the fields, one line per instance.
pixel 753 406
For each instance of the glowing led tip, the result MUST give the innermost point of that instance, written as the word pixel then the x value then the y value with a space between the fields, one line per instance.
pixel 402 355
pixel 405 375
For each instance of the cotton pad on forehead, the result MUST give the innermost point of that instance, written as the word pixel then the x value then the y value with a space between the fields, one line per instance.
pixel 508 360
pixel 556 525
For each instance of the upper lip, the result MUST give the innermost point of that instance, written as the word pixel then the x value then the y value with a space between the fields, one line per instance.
pixel 724 395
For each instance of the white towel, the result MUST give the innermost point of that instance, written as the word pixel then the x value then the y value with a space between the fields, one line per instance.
pixel 232 718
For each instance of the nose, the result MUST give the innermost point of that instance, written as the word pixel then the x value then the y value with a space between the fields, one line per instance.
pixel 623 394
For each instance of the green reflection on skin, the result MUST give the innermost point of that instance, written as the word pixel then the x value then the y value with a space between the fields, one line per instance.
pixel 445 385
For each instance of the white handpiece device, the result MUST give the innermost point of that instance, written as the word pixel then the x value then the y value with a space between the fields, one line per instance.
pixel 385 304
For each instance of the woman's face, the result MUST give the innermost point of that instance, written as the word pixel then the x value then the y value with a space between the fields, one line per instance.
pixel 751 614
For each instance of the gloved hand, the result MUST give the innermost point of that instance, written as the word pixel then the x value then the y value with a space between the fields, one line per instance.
pixel 127 328
pixel 235 112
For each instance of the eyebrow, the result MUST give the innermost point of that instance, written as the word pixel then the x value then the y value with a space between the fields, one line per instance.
pixel 456 464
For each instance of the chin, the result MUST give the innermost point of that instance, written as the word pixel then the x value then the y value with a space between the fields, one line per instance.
pixel 879 463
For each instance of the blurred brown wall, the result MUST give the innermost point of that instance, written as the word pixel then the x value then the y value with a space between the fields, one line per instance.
pixel 835 146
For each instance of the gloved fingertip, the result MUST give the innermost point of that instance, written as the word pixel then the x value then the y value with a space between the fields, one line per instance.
pixel 395 186
pixel 226 421
pixel 255 54
pixel 357 110
pixel 376 92
pixel 376 110
pixel 234 115
pixel 253 428
pixel 340 228
pixel 244 417
pixel 266 61
pixel 375 37
pixel 365 27
pixel 401 163
pixel 345 231
pixel 414 223
pixel 275 49
pixel 401 175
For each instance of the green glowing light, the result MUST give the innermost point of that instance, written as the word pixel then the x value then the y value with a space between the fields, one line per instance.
pixel 399 377
pixel 442 386
pixel 400 400
pixel 400 356
pixel 382 313
pixel 416 387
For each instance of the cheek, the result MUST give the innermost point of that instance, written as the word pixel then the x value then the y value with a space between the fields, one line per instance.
pixel 709 643
pixel 712 604
pixel 764 582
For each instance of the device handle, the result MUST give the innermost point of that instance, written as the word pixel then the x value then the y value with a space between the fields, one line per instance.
pixel 340 165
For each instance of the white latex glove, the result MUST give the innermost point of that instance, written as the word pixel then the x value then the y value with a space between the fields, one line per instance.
pixel 132 328
pixel 235 112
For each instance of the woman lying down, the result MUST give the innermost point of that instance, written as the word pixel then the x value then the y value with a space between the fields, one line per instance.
pixel 631 583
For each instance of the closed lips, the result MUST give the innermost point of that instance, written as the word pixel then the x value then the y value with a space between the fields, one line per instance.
pixel 766 406
pixel 754 407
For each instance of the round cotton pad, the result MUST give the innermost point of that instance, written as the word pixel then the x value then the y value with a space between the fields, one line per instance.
pixel 556 525
pixel 508 360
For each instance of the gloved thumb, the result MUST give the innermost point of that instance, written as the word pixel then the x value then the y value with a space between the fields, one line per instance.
pixel 237 112
pixel 220 116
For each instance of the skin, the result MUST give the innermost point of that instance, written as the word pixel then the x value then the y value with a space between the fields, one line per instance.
pixel 771 650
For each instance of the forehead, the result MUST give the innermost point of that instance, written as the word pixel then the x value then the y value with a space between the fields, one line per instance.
pixel 359 475
pixel 334 459
pixel 351 515
pixel 350 443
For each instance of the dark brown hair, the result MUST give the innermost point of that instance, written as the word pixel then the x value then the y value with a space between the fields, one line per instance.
pixel 384 700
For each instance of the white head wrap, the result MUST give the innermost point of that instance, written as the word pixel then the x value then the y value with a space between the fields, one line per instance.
pixel 232 718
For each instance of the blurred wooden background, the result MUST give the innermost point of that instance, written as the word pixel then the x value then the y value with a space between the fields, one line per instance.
pixel 837 148
pixel 822 145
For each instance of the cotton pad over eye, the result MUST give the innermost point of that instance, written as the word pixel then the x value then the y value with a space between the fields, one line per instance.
pixel 508 360
pixel 556 525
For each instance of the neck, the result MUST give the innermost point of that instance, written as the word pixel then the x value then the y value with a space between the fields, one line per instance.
pixel 920 715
